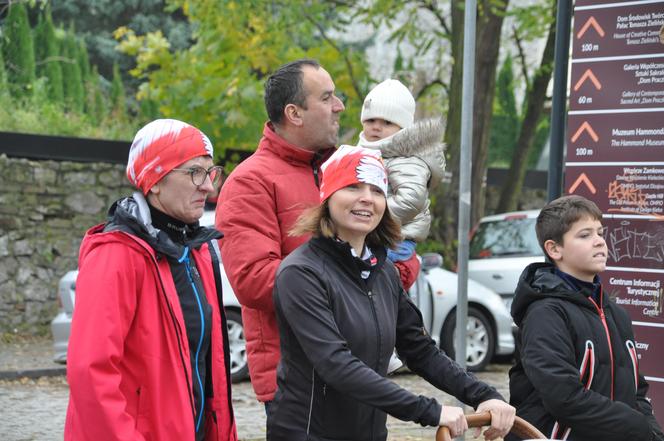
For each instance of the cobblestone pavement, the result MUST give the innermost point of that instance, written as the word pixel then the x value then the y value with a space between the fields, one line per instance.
pixel 34 409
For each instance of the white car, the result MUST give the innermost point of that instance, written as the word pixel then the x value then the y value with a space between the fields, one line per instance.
pixel 501 246
pixel 435 293
pixel 489 324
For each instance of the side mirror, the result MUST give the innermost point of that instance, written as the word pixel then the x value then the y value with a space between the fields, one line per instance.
pixel 431 260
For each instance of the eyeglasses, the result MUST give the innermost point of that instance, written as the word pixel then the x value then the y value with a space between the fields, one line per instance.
pixel 199 174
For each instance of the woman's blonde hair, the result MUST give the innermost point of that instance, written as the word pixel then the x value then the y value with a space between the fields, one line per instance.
pixel 318 222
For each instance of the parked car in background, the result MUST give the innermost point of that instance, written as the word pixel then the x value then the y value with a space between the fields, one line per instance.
pixel 434 292
pixel 501 246
pixel 489 327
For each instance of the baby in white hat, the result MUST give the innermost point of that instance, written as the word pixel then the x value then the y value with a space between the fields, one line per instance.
pixel 414 156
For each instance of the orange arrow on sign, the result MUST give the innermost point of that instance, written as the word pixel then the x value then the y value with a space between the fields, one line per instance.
pixel 588 74
pixel 585 126
pixel 590 22
pixel 582 179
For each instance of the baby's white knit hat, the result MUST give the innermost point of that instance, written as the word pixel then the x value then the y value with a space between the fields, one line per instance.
pixel 391 101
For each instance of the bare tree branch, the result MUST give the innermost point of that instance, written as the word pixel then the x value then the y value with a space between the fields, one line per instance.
pixel 522 56
pixel 349 65
pixel 432 6
pixel 423 90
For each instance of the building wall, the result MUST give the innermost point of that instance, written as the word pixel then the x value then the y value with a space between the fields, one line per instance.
pixel 45 208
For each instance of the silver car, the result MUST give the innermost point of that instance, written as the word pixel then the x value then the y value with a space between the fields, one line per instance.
pixel 502 245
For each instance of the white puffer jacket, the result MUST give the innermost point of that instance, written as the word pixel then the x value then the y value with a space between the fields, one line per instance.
pixel 415 161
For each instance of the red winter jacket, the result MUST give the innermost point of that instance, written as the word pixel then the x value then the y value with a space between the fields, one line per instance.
pixel 128 362
pixel 259 203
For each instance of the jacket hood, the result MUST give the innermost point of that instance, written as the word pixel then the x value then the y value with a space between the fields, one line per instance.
pixel 539 281
pixel 422 140
pixel 131 215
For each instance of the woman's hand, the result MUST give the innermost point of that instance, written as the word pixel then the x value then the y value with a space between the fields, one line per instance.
pixel 502 418
pixel 454 419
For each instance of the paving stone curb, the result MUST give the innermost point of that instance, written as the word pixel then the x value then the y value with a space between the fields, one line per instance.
pixel 32 373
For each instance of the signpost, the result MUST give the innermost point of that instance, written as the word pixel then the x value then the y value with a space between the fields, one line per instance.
pixel 615 157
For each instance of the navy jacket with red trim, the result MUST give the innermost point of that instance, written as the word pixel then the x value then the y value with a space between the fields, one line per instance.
pixel 576 367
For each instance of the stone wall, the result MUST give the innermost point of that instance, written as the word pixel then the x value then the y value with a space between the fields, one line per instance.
pixel 45 208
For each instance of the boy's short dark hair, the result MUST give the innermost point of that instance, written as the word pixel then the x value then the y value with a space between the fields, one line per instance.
pixel 285 86
pixel 557 217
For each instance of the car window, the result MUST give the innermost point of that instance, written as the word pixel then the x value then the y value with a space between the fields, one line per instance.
pixel 505 238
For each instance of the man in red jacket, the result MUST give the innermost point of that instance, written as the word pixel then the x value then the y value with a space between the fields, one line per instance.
pixel 266 193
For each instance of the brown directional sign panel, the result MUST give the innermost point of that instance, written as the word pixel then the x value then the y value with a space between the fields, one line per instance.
pixel 621 189
pixel 625 84
pixel 615 136
pixel 606 31
pixel 615 157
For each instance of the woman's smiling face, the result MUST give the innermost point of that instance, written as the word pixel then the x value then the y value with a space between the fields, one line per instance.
pixel 356 211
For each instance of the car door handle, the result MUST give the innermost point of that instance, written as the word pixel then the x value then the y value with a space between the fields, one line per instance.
pixel 497 276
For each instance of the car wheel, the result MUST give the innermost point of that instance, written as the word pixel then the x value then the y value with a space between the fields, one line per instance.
pixel 481 341
pixel 237 346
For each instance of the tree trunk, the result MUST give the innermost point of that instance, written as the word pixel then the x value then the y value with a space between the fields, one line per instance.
pixel 445 208
pixel 536 96
pixel 486 55
pixel 489 28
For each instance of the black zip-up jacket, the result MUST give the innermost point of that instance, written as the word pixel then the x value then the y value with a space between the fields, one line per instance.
pixel 577 367
pixel 337 334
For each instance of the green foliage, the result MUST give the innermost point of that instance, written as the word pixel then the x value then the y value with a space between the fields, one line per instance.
pixel 95 21
pixel 541 138
pixel 505 121
pixel 83 60
pixel 95 103
pixel 73 82
pixel 217 83
pixel 83 111
pixel 118 99
pixel 3 78
pixel 18 49
pixel 41 116
pixel 532 19
pixel 46 56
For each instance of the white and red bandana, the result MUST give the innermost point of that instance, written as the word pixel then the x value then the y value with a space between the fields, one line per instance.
pixel 161 146
pixel 352 165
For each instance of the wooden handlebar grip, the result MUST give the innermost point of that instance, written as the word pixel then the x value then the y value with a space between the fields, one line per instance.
pixel 521 427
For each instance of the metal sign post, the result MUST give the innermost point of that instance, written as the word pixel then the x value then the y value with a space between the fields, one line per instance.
pixel 465 164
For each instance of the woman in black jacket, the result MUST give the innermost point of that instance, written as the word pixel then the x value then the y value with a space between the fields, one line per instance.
pixel 341 311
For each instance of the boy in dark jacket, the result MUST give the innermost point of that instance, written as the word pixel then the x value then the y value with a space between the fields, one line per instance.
pixel 576 375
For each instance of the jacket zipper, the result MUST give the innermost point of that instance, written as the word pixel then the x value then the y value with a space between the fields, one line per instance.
pixel 176 325
pixel 311 400
pixel 608 339
pixel 187 263
pixel 631 349
pixel 314 167
pixel 375 316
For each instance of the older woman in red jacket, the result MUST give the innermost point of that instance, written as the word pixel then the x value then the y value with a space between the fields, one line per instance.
pixel 147 353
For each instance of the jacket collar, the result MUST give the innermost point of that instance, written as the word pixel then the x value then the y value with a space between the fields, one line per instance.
pixel 290 152
pixel 539 281
pixel 132 216
pixel 341 253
